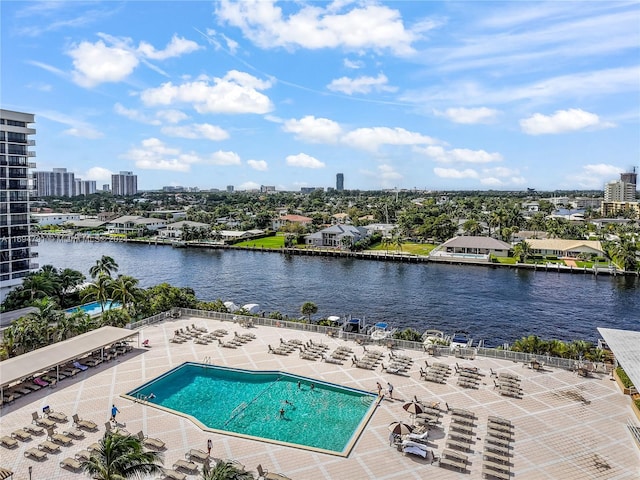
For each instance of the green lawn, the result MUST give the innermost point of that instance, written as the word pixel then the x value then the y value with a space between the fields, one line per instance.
pixel 266 242
pixel 412 248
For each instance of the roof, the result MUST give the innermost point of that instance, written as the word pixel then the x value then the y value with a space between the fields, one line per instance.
pixel 87 223
pixel 477 242
pixel 23 366
pixel 625 345
pixel 563 245
pixel 296 218
pixel 8 317
pixel 182 223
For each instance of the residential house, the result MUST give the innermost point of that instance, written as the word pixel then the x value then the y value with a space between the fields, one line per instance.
pixel 565 248
pixel 134 225
pixel 337 236
pixel 280 222
pixel 385 229
pixel 54 218
pixel 471 247
pixel 340 218
pixel 174 230
pixel 517 237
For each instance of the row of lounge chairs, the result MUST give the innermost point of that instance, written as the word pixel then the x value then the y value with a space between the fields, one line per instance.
pixel 237 340
pixel 467 377
pixel 436 372
pixel 497 448
pixel 508 385
pixel 369 360
pixel 461 431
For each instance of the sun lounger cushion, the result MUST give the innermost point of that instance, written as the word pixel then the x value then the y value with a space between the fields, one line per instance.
pixel 186 465
pixel 71 463
pixel 8 441
pixel 174 475
pixel 35 453
pixel 197 454
pixel 21 435
pixel 415 451
pixel 49 446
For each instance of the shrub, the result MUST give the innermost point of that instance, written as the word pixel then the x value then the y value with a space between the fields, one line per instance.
pixel 637 402
pixel 626 381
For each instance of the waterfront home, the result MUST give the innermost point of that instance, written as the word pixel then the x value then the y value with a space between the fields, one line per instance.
pixel 54 218
pixel 174 230
pixel 134 224
pixel 480 248
pixel 565 248
pixel 340 218
pixel 280 222
pixel 337 236
pixel 385 229
pixel 517 237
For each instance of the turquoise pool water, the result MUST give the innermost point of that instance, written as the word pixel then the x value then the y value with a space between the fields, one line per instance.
pixel 325 417
pixel 94 308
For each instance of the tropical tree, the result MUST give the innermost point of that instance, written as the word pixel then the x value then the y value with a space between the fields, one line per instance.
pixel 472 227
pixel 625 252
pixel 105 266
pixel 522 251
pixel 225 470
pixel 308 309
pixel 121 457
pixel 124 289
pixel 40 284
pixel 99 290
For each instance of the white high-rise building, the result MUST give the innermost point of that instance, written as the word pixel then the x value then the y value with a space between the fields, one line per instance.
pixel 620 191
pixel 15 188
pixel 124 184
pixel 58 183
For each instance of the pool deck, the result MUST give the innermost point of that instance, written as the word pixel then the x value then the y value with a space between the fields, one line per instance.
pixel 566 426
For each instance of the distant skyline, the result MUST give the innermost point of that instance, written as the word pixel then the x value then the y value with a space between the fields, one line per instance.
pixel 426 95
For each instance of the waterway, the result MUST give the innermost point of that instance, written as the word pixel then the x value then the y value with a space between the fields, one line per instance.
pixel 494 304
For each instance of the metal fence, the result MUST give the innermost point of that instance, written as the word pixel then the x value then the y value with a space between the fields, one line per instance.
pixel 435 350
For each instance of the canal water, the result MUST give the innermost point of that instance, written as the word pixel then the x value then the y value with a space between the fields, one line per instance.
pixel 495 304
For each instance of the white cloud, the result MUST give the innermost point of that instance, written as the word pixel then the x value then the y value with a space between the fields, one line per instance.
pixel 113 59
pixel 372 138
pixel 362 85
pixel 176 47
pixel 303 160
pixel 595 175
pixel 501 176
pixel 387 173
pixel 353 64
pixel 223 158
pixel 196 131
pixel 460 155
pixel 248 186
pixel 153 154
pixel 312 129
pixel 98 173
pixel 454 173
pixel 171 116
pixel 469 115
pixel 561 121
pixel 96 63
pixel 313 27
pixel 259 165
pixel 84 132
pixel 135 115
pixel 236 92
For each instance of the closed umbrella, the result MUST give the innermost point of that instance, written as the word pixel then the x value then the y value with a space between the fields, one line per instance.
pixel 414 408
pixel 400 428
pixel 4 473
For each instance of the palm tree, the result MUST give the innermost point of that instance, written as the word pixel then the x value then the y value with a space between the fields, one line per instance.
pixel 625 252
pixel 224 470
pixel 522 251
pixel 121 457
pixel 472 227
pixel 105 266
pixel 98 290
pixel 309 308
pixel 124 289
pixel 39 285
pixel 69 278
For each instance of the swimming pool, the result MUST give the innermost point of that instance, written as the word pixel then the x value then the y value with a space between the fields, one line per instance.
pixel 94 308
pixel 264 405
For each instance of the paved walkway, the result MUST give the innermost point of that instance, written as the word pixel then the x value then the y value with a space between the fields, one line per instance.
pixel 566 427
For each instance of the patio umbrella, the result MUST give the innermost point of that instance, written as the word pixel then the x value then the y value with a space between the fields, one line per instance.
pixel 399 428
pixel 4 473
pixel 414 408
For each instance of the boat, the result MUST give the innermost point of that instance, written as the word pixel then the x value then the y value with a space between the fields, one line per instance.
pixel 354 325
pixel 380 331
pixel 231 307
pixel 335 320
pixel 460 339
pixel 434 337
pixel 251 308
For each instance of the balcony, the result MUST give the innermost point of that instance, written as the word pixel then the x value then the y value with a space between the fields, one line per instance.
pixel 31 165
pixel 31 143
pixel 31 154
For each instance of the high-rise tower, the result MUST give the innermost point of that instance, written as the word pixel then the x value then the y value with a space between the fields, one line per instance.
pixel 15 189
pixel 340 182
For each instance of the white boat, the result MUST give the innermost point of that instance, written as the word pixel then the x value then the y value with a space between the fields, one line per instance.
pixel 335 320
pixel 354 325
pixel 460 339
pixel 434 337
pixel 381 330
pixel 252 308
pixel 231 307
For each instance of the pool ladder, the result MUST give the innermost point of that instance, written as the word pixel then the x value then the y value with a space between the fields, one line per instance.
pixel 142 398
pixel 207 361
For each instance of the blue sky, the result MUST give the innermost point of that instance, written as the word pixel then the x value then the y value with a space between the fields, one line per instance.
pixel 427 95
